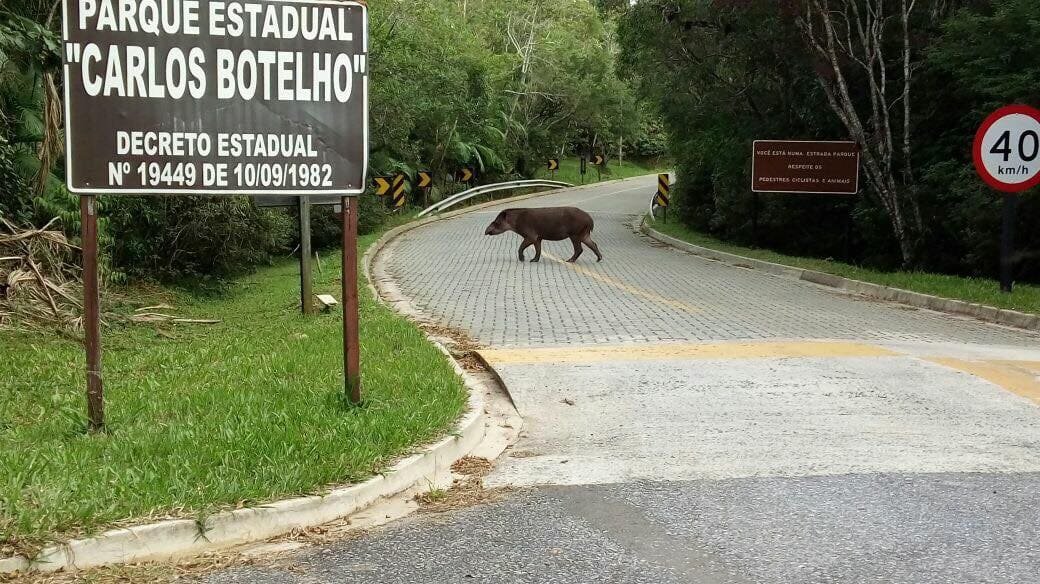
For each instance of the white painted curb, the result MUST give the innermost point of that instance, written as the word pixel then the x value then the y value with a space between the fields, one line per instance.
pixel 990 314
pixel 177 539
pixel 170 540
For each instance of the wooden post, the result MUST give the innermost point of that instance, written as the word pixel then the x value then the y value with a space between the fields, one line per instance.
pixel 306 279
pixel 351 333
pixel 92 314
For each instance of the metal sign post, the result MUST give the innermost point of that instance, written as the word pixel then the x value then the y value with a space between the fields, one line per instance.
pixel 425 184
pixel 397 193
pixel 1007 157
pixel 351 319
pixel 599 162
pixel 664 187
pixel 207 103
pixel 803 167
pixel 584 168
pixel 1007 242
pixel 92 315
pixel 306 280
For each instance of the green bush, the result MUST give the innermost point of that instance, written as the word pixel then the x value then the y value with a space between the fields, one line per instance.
pixel 327 225
pixel 724 74
pixel 170 238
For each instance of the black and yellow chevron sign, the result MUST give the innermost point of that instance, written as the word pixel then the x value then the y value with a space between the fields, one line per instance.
pixel 398 190
pixel 425 179
pixel 382 185
pixel 598 160
pixel 554 164
pixel 664 187
pixel 465 174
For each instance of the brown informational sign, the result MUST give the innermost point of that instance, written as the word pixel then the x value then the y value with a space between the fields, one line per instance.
pixel 220 98
pixel 783 166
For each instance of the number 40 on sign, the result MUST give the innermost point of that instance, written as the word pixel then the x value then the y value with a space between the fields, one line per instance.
pixel 1007 149
pixel 1007 157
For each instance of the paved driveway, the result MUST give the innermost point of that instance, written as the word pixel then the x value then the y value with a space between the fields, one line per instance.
pixel 691 421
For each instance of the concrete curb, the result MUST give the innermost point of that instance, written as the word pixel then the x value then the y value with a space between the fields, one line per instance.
pixel 177 539
pixel 171 540
pixel 981 312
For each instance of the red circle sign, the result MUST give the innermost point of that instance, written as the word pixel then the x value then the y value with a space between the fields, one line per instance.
pixel 1007 149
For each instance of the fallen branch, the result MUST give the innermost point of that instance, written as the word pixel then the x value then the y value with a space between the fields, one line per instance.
pixel 153 317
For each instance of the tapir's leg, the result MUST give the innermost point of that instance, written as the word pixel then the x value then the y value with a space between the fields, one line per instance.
pixel 523 246
pixel 577 249
pixel 592 245
pixel 537 250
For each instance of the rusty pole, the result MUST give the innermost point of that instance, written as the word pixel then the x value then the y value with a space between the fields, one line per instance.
pixel 92 314
pixel 351 333
pixel 306 278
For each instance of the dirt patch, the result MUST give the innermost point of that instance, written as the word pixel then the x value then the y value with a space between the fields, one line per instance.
pixel 472 466
pixel 461 341
pixel 466 491
pixel 470 362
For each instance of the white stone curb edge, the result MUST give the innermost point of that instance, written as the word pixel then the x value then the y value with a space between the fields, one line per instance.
pixel 183 538
pixel 170 540
pixel 982 312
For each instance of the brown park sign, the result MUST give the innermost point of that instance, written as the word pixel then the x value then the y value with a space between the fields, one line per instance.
pixel 785 166
pixel 220 98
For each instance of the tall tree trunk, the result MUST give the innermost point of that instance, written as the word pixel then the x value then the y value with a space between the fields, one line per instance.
pixel 857 38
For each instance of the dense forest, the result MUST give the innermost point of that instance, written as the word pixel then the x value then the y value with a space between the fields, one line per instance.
pixel 502 84
pixel 909 81
pixel 495 84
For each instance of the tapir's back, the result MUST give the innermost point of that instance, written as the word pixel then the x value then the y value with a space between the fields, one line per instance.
pixel 553 223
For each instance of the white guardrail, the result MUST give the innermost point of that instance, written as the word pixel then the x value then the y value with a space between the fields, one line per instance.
pixel 493 188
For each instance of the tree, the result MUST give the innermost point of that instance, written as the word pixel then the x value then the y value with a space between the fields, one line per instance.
pixel 855 34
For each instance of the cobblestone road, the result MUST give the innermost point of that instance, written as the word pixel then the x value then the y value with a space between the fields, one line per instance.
pixel 641 293
pixel 691 421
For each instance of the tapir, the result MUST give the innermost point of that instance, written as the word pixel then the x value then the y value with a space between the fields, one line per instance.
pixel 548 223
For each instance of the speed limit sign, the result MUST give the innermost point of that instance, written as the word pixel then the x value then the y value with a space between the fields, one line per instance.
pixel 1007 149
pixel 1007 157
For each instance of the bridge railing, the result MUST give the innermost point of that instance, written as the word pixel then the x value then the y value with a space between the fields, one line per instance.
pixel 492 188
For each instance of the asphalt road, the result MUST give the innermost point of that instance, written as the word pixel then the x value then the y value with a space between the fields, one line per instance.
pixel 691 421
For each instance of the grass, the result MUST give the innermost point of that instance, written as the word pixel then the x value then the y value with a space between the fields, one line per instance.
pixel 570 171
pixel 1026 298
pixel 204 418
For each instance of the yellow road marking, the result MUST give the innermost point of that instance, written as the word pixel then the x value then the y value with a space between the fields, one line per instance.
pixel 720 351
pixel 633 290
pixel 1018 377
